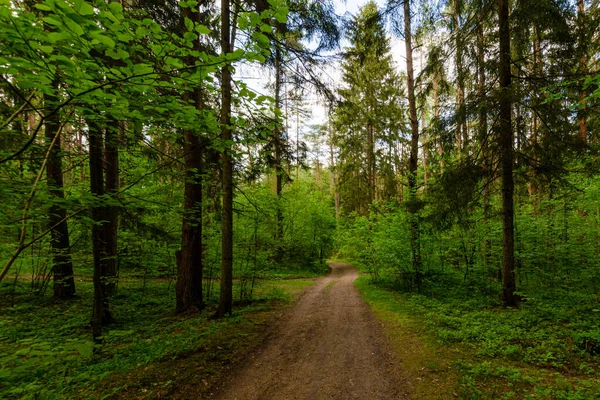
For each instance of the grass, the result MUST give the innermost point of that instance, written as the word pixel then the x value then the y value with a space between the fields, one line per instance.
pixel 329 286
pixel 46 349
pixel 455 347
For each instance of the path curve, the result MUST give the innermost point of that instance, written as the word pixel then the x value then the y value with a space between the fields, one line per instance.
pixel 330 347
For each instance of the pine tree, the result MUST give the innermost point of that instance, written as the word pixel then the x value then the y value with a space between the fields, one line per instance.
pixel 369 115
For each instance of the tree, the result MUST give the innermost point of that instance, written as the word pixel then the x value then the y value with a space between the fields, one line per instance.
pixel 368 117
pixel 190 258
pixel 505 146
pixel 414 149
pixel 225 303
pixel 64 282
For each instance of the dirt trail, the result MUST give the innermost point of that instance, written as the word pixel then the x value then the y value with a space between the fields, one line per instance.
pixel 329 347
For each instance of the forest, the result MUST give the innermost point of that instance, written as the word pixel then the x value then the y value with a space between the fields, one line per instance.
pixel 174 175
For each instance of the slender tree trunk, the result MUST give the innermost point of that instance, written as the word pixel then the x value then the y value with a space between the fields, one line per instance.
pixel 507 158
pixel 461 129
pixel 111 157
pixel 538 69
pixel 188 290
pixel 111 162
pixel 101 314
pixel 424 139
pixel 436 116
pixel 62 265
pixel 226 300
pixel 370 163
pixel 483 129
pixel 297 145
pixel 414 150
pixel 334 173
pixel 277 149
pixel 582 69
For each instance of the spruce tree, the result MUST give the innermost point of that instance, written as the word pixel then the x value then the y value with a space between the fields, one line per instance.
pixel 369 114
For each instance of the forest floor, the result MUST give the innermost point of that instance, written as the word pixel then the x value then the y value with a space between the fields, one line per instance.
pixel 329 346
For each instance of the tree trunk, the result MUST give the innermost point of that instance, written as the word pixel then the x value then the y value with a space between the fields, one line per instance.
pixel 188 290
pixel 277 150
pixel 424 139
pixel 505 146
pixel 461 129
pixel 414 150
pixel 483 129
pixel 101 314
pixel 111 158
pixel 436 116
pixel 62 265
pixel 225 303
pixel 582 69
pixel 370 164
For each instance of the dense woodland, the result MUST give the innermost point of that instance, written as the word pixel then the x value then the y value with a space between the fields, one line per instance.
pixel 149 192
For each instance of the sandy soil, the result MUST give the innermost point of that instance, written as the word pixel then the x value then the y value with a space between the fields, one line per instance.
pixel 330 346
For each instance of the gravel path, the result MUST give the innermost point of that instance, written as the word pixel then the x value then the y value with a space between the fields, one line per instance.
pixel 329 347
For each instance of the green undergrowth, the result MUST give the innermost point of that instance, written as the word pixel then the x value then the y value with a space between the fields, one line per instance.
pixel 46 349
pixel 541 351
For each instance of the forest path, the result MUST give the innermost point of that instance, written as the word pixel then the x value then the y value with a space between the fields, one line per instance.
pixel 329 347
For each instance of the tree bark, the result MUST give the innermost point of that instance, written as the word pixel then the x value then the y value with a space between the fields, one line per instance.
pixel 188 290
pixel 111 158
pixel 62 264
pixel 371 162
pixel 277 149
pixel 101 314
pixel 505 146
pixel 226 300
pixel 414 150
pixel 483 128
pixel 582 69
pixel 436 115
pixel 461 128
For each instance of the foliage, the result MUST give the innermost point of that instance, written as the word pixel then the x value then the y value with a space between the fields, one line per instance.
pixel 530 353
pixel 46 350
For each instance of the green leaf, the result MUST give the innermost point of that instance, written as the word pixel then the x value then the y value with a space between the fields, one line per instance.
pixel 140 32
pixel 203 30
pixel 281 14
pixel 74 27
pixel 105 40
pixel 42 7
pixel 52 21
pixel 190 36
pixel 261 39
pixel 142 69
pixel 189 25
pixel 266 28
pixel 54 37
pixel 86 9
pixel 174 62
pixel 116 8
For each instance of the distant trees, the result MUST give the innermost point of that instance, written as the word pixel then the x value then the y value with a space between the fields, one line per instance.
pixel 510 111
pixel 368 120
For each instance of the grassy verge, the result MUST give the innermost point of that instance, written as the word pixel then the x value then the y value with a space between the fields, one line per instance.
pixel 46 351
pixel 453 348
